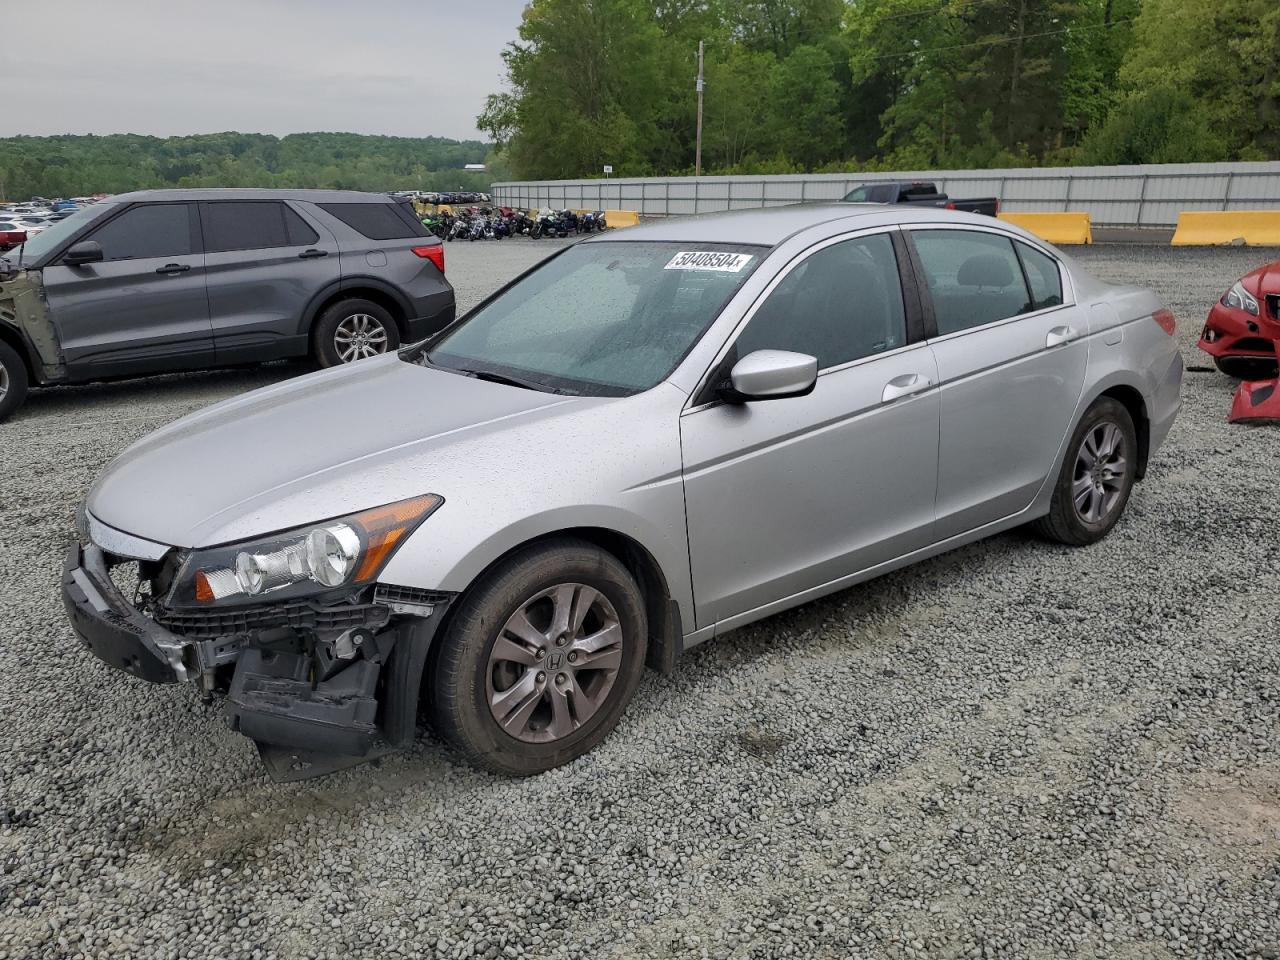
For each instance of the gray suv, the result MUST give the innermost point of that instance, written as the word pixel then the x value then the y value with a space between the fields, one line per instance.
pixel 166 280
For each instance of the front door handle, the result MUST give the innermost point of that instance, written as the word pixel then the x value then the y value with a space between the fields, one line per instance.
pixel 312 253
pixel 174 268
pixel 1060 335
pixel 905 386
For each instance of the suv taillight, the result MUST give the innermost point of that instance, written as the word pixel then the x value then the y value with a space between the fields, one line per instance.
pixel 1167 323
pixel 434 253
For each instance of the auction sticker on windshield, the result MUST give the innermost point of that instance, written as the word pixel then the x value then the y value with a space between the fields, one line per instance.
pixel 709 260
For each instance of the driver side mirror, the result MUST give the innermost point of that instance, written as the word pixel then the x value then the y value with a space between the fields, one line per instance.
pixel 86 251
pixel 770 375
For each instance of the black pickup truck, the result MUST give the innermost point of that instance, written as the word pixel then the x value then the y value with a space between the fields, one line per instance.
pixel 921 193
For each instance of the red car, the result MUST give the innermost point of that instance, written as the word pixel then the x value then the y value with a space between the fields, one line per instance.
pixel 11 234
pixel 1244 326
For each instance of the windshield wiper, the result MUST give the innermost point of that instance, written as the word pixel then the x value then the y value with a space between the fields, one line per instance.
pixel 508 380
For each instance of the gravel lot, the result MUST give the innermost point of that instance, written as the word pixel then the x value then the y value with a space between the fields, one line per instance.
pixel 1014 750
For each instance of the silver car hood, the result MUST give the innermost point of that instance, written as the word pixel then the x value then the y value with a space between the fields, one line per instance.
pixel 305 450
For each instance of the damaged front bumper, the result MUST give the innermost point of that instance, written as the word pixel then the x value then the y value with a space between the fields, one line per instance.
pixel 341 678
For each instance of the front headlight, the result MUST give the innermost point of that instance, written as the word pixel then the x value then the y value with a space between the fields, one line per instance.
pixel 1240 299
pixel 344 552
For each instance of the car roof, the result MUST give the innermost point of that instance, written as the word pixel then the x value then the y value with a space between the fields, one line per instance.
pixel 769 226
pixel 254 193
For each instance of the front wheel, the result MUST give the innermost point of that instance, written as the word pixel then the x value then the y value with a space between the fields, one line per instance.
pixel 540 659
pixel 13 380
pixel 352 330
pixel 1096 478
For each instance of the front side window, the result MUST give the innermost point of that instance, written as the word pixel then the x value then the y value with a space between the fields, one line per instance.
pixel 146 232
pixel 252 225
pixel 973 278
pixel 602 318
pixel 842 303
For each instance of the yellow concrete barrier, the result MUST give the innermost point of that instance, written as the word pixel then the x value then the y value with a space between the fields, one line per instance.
pixel 1210 228
pixel 622 218
pixel 1059 228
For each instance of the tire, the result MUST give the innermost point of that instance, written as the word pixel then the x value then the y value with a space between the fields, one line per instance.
pixel 470 671
pixel 13 381
pixel 329 337
pixel 1247 368
pixel 1107 426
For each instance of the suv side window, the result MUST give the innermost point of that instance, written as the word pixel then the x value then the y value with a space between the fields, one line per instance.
pixel 1043 275
pixel 146 232
pixel 842 303
pixel 252 225
pixel 973 278
pixel 376 221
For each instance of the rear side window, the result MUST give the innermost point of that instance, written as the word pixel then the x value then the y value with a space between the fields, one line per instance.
pixel 376 221
pixel 1044 277
pixel 843 303
pixel 252 225
pixel 973 278
pixel 147 232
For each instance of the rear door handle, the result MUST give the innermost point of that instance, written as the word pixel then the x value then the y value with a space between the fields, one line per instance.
pixel 174 268
pixel 1060 335
pixel 905 386
pixel 312 253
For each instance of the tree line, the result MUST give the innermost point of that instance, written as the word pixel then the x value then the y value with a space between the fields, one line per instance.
pixel 69 166
pixel 822 85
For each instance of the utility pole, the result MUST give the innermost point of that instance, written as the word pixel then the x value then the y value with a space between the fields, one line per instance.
pixel 697 160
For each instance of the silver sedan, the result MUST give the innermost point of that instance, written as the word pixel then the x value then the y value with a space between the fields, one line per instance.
pixel 650 439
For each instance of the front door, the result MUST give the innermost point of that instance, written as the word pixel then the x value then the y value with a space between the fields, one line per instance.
pixel 1011 360
pixel 784 496
pixel 143 308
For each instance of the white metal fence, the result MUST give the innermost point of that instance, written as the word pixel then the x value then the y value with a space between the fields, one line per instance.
pixel 1138 196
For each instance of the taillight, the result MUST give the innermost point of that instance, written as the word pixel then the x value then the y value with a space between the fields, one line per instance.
pixel 951 206
pixel 434 253
pixel 1167 323
pixel 997 206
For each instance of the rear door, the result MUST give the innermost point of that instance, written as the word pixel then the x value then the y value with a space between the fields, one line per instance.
pixel 1011 351
pixel 143 309
pixel 265 261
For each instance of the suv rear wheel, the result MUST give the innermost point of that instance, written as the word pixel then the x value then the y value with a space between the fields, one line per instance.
pixel 13 380
pixel 352 330
pixel 540 658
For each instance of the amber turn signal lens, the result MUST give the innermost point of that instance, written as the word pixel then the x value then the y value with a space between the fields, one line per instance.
pixel 385 527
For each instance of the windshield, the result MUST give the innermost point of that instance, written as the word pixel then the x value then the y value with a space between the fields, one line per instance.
pixel 601 319
pixel 39 244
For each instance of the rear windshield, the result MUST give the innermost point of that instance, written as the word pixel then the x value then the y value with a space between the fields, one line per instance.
pixel 376 221
pixel 601 319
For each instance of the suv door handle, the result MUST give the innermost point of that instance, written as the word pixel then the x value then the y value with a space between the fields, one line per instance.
pixel 312 253
pixel 1060 335
pixel 905 386
pixel 174 268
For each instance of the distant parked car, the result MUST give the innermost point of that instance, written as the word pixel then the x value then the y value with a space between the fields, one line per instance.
pixel 1243 327
pixel 167 280
pixel 920 193
pixel 11 234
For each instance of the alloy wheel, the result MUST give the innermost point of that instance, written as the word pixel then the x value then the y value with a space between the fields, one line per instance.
pixel 358 336
pixel 1101 470
pixel 554 663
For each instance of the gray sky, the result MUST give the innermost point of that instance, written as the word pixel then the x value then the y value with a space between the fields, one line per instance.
pixel 166 67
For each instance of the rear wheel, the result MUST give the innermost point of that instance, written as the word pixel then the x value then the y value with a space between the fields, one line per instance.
pixel 13 380
pixel 1097 476
pixel 1247 368
pixel 540 659
pixel 353 330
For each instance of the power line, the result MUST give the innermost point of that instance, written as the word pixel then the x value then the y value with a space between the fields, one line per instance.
pixel 999 40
